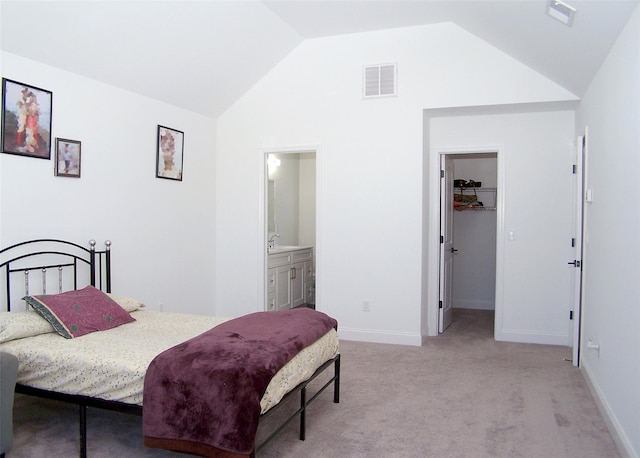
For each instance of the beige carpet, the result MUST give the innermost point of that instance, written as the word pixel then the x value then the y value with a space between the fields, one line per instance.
pixel 460 395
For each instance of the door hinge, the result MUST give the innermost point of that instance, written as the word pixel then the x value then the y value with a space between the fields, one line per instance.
pixel 573 242
pixel 442 239
pixel 571 314
pixel 574 169
pixel 440 305
pixel 441 173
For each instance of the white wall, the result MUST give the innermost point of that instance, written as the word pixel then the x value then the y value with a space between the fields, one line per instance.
pixel 611 311
pixel 477 168
pixel 370 166
pixel 162 231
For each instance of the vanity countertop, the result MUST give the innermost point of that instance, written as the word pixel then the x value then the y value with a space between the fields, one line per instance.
pixel 286 248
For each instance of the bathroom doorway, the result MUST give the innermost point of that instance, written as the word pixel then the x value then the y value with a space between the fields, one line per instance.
pixel 290 210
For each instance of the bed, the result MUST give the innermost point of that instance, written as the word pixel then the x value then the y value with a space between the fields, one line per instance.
pixel 117 367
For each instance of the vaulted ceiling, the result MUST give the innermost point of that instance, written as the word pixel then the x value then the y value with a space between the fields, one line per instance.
pixel 203 55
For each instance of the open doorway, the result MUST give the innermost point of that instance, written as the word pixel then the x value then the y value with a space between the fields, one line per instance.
pixel 469 227
pixel 290 229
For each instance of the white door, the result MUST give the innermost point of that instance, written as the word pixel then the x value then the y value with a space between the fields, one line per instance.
pixel 283 287
pixel 297 284
pixel 576 313
pixel 446 243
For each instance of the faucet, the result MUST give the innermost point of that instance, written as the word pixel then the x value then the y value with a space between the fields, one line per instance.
pixel 272 242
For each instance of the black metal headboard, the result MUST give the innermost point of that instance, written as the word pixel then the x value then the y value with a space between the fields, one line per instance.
pixel 31 267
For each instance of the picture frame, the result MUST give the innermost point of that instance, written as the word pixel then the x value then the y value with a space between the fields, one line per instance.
pixel 169 153
pixel 26 119
pixel 67 158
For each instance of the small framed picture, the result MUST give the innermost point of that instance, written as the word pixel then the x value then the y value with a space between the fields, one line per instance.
pixel 26 120
pixel 169 153
pixel 67 158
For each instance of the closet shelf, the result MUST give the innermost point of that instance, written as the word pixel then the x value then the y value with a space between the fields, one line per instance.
pixel 466 188
pixel 475 208
pixel 465 195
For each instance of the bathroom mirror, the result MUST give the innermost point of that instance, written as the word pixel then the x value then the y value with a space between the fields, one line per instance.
pixel 291 197
pixel 271 206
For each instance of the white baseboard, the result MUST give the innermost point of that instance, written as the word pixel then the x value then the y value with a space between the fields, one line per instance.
pixel 620 438
pixel 403 338
pixel 376 336
pixel 523 336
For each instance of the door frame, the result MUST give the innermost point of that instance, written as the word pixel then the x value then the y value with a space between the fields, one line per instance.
pixel 263 230
pixel 445 307
pixel 433 259
pixel 582 148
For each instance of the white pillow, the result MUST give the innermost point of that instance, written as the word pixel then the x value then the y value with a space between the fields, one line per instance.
pixel 17 325
pixel 127 303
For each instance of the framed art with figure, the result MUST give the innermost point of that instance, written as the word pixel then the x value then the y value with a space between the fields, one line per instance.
pixel 26 119
pixel 67 158
pixel 169 153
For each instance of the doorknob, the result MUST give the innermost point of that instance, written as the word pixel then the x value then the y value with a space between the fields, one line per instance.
pixel 453 250
pixel 575 263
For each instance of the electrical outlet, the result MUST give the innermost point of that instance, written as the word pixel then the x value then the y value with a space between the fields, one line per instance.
pixel 365 306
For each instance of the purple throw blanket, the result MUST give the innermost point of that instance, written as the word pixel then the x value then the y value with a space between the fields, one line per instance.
pixel 203 395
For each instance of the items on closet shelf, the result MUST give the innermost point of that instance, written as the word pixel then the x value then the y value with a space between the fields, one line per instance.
pixel 462 201
pixel 466 184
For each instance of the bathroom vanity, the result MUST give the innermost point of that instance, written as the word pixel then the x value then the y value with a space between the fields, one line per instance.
pixel 290 281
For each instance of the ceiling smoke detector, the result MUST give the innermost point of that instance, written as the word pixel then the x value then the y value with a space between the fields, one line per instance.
pixel 561 12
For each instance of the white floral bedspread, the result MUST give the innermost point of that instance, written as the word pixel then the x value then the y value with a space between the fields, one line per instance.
pixel 111 364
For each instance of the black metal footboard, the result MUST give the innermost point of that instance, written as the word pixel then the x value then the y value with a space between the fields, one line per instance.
pixel 85 401
pixel 304 402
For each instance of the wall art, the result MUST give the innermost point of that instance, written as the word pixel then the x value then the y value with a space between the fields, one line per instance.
pixel 26 119
pixel 169 153
pixel 67 158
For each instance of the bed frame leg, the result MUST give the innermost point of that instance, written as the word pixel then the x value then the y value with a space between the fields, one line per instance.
pixel 83 431
pixel 303 413
pixel 336 382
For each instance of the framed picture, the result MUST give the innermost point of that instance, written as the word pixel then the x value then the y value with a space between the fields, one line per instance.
pixel 67 158
pixel 26 120
pixel 169 153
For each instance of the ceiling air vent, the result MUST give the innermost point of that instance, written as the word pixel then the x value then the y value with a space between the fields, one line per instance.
pixel 379 80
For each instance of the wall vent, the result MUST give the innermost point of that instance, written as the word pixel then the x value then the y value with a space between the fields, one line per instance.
pixel 379 80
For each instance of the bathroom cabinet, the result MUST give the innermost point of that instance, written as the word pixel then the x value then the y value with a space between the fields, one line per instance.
pixel 289 277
